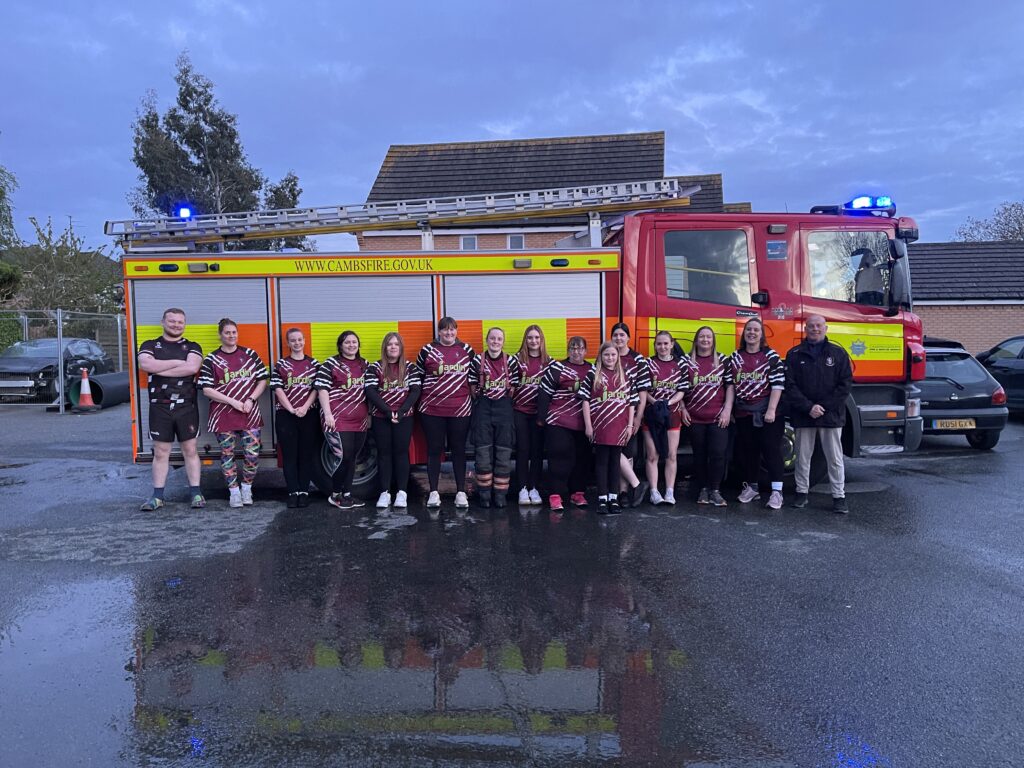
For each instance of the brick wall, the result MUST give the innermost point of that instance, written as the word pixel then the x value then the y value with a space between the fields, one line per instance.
pixel 485 242
pixel 976 327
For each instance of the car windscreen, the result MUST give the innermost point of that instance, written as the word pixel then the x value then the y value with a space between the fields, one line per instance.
pixel 958 366
pixel 40 348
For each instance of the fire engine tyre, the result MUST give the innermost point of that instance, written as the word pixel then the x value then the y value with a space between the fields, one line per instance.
pixel 819 467
pixel 983 439
pixel 365 483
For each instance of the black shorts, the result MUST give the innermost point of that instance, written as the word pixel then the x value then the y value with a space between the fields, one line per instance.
pixel 166 425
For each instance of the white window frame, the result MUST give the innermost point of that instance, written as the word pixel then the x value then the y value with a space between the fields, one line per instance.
pixel 522 240
pixel 464 239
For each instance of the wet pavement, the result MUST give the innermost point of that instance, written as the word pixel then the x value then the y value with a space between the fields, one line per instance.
pixel 691 636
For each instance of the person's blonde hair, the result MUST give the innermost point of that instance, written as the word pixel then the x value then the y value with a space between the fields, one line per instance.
pixel 620 372
pixel 523 354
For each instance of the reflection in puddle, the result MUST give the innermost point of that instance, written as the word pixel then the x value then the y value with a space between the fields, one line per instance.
pixel 500 642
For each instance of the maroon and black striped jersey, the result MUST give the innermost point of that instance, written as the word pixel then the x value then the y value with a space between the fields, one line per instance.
pixel 343 380
pixel 448 379
pixel 497 377
pixel 757 373
pixel 636 365
pixel 560 382
pixel 172 391
pixel 294 378
pixel 234 374
pixel 610 400
pixel 525 400
pixel 385 380
pixel 667 377
pixel 709 377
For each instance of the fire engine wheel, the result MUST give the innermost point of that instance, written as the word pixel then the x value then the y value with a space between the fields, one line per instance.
pixel 819 467
pixel 365 483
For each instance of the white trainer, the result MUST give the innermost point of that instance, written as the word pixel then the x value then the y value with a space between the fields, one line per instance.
pixel 461 501
pixel 670 497
pixel 775 500
pixel 401 500
pixel 434 499
pixel 656 498
pixel 535 497
pixel 524 496
pixel 247 494
pixel 748 494
pixel 235 497
pixel 384 500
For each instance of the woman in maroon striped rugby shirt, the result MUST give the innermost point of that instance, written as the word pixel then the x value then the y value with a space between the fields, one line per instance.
pixel 707 412
pixel 344 414
pixel 561 411
pixel 392 387
pixel 233 378
pixel 533 359
pixel 291 381
pixel 635 366
pixel 760 377
pixel 497 375
pixel 609 408
pixel 446 403
pixel 668 385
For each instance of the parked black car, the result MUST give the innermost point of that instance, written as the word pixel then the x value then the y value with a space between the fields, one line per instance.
pixel 1005 361
pixel 28 369
pixel 959 397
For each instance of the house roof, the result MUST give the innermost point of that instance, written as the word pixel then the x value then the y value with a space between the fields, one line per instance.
pixel 412 171
pixel 967 271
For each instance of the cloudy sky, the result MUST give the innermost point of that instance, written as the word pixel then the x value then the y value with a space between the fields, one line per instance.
pixel 795 103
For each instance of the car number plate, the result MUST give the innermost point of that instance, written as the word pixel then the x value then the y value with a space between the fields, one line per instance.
pixel 953 424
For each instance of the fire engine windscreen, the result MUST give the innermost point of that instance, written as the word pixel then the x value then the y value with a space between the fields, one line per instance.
pixel 855 267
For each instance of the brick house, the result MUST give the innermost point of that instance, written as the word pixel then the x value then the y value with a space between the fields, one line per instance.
pixel 971 292
pixel 413 171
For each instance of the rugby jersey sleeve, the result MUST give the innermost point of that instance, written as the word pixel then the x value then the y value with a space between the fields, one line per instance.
pixel 276 380
pixel 587 385
pixel 776 371
pixel 259 368
pixel 322 380
pixel 515 372
pixel 474 365
pixel 207 377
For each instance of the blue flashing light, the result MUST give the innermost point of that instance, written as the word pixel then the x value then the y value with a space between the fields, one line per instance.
pixel 184 212
pixel 883 202
pixel 868 205
pixel 864 201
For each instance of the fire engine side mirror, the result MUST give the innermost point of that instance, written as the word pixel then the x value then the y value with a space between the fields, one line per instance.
pixel 760 298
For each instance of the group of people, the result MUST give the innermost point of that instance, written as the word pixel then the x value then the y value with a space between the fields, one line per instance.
pixel 586 419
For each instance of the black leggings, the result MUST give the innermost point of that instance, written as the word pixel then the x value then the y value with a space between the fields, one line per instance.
pixel 529 450
pixel 351 444
pixel 297 438
pixel 568 451
pixel 392 451
pixel 455 428
pixel 709 444
pixel 756 443
pixel 607 470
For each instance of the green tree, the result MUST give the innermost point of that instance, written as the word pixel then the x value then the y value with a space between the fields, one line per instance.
pixel 8 235
pixel 57 271
pixel 193 154
pixel 1006 223
pixel 10 281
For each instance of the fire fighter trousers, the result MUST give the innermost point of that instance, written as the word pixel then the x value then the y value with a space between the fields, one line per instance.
pixel 493 437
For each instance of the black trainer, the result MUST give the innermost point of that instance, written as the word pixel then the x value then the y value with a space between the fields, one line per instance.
pixel 839 505
pixel 801 500
pixel 602 506
pixel 353 502
pixel 614 508
pixel 639 493
pixel 293 500
pixel 303 500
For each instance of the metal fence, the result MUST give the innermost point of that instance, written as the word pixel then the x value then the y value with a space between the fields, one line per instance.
pixel 43 351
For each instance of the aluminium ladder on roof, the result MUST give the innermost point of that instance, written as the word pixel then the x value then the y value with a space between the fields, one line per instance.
pixel 292 222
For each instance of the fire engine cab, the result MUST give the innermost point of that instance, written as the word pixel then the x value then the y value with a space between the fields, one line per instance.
pixel 642 260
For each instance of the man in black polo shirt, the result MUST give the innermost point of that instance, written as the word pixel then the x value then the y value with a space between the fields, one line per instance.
pixel 172 362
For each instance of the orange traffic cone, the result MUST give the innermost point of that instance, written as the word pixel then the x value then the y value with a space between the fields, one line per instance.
pixel 85 403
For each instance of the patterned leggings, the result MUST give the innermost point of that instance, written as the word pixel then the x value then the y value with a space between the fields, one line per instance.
pixel 250 440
